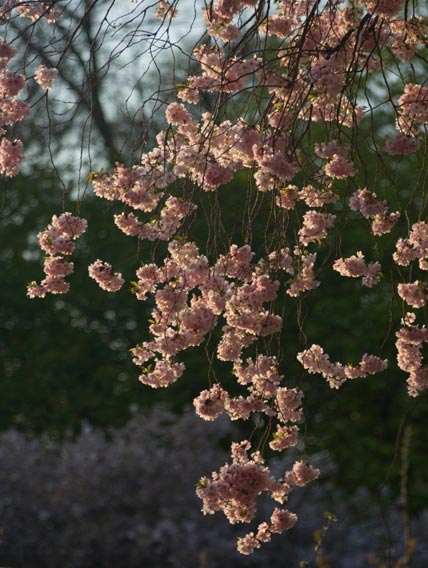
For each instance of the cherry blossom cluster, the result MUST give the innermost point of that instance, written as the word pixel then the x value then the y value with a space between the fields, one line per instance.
pixel 232 294
pixel 371 207
pixel 410 341
pixel 57 240
pixel 165 10
pixel 402 145
pixel 12 109
pixel 339 166
pixel 314 360
pixel 190 297
pixel 45 76
pixel 105 277
pixel 34 11
pixel 355 266
pixel 413 109
pixel 413 248
pixel 234 488
pixel 313 197
pixel 415 293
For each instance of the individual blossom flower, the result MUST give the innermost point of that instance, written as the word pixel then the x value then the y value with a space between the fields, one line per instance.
pixel 12 110
pixel 57 240
pixel 327 76
pixel 149 277
pixel 129 224
pixel 45 76
pixel 6 52
pixel 70 226
pixel 281 260
pixel 263 532
pixel 215 175
pixel 372 275
pixel 232 343
pixel 237 263
pixel 241 408
pixel 234 489
pixel 261 377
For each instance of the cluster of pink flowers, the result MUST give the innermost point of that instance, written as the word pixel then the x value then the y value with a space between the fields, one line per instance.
pixel 371 207
pixel 410 340
pixel 45 76
pixel 165 10
pixel 339 167
pixel 234 488
pixel 315 226
pixel 402 145
pixel 355 266
pixel 415 293
pixel 262 380
pixel 32 10
pixel 12 110
pixel 57 240
pixel 305 185
pixel 413 248
pixel 384 8
pixel 105 277
pixel 190 296
pixel 413 109
pixel 314 360
pixel 304 277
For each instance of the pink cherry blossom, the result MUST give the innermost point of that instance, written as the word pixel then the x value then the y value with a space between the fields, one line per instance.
pixel 45 76
pixel 106 278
